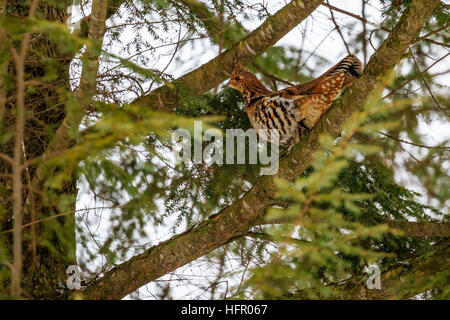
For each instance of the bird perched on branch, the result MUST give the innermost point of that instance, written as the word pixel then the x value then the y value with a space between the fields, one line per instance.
pixel 295 110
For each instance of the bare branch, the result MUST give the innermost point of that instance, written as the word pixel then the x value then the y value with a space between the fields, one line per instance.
pixel 364 20
pixel 411 143
pixel 329 6
pixel 268 237
pixel 88 82
pixel 406 82
pixel 19 57
pixel 427 86
pixel 338 29
pixel 214 28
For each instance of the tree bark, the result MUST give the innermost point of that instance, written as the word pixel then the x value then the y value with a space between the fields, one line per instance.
pixel 407 228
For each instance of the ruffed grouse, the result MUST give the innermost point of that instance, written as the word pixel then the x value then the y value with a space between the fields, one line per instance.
pixel 295 110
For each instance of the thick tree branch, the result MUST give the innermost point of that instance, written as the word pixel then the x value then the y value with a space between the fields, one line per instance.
pixel 93 27
pixel 87 87
pixel 3 64
pixel 113 7
pixel 245 51
pixel 422 229
pixel 234 221
pixel 88 81
pixel 408 228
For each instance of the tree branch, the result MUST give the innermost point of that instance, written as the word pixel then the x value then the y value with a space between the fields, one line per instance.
pixel 19 57
pixel 427 86
pixel 413 144
pixel 422 229
pixel 338 29
pixel 408 228
pixel 212 24
pixel 233 221
pixel 113 7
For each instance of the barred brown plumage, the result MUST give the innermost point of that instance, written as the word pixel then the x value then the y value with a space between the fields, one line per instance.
pixel 295 110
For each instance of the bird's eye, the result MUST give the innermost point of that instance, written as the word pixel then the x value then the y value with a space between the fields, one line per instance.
pixel 237 78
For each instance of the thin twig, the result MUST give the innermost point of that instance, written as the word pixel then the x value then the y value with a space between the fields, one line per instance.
pixel 34 222
pixel 338 29
pixel 19 62
pixel 406 82
pixel 426 85
pixel 424 38
pixel 269 75
pixel 267 237
pixel 433 32
pixel 412 143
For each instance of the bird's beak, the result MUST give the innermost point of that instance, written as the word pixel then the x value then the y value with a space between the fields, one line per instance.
pixel 228 83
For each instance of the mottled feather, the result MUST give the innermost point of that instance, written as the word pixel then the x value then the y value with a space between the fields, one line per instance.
pixel 295 110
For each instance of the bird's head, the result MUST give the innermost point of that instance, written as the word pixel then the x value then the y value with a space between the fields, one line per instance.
pixel 240 78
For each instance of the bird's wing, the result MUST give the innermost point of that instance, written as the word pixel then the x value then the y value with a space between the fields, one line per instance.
pixel 348 68
pixel 310 106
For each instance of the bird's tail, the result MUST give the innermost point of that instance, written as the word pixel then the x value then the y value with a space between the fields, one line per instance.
pixel 351 66
pixel 331 82
pixel 341 75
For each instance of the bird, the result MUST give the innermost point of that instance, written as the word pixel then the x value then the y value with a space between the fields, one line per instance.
pixel 295 110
